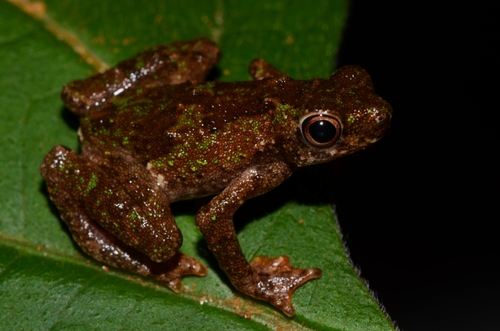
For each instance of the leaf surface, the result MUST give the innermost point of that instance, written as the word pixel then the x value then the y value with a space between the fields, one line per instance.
pixel 45 282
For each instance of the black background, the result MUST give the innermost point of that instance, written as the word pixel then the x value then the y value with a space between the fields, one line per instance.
pixel 419 210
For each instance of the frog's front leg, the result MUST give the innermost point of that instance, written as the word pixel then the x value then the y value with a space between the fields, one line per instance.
pixel 260 69
pixel 269 279
pixel 169 64
pixel 123 221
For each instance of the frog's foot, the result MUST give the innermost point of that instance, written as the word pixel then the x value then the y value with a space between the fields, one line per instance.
pixel 172 271
pixel 277 280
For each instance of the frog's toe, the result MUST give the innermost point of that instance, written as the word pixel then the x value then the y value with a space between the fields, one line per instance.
pixel 279 267
pixel 191 266
pixel 278 280
pixel 171 272
pixel 175 284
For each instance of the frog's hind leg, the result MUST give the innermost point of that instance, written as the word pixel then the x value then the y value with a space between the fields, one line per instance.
pixel 104 247
pixel 170 64
pixel 73 184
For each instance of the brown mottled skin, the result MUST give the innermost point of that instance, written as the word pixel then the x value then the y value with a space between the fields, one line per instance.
pixel 153 132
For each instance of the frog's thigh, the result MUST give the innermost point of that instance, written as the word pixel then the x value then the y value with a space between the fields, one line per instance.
pixel 121 199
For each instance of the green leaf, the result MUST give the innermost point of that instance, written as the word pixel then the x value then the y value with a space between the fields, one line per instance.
pixel 46 283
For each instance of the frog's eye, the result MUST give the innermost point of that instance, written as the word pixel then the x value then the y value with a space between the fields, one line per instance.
pixel 321 130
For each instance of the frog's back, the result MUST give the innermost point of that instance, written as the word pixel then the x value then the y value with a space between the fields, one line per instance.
pixel 198 136
pixel 153 122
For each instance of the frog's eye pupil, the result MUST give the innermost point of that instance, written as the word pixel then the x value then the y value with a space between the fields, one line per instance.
pixel 321 130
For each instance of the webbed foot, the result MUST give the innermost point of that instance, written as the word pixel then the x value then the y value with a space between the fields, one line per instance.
pixel 277 280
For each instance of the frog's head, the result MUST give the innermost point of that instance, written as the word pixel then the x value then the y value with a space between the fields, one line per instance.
pixel 342 114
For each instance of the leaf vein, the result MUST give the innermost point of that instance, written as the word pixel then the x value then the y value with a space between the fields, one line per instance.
pixel 38 11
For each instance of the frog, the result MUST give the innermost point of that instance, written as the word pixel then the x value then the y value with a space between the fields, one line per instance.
pixel 153 131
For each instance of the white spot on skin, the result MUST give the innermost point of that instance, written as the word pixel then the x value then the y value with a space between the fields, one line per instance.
pixel 160 179
pixel 80 135
pixel 120 90
pixel 59 160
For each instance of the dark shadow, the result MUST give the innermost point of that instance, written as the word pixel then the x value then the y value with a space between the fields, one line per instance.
pixel 71 119
pixel 214 74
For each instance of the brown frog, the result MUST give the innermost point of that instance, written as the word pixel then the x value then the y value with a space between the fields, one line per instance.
pixel 154 132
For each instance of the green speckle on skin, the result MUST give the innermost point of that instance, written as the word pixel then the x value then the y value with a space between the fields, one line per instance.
pixel 91 185
pixel 133 215
pixel 235 156
pixel 250 125
pixel 283 111
pixel 351 119
pixel 255 126
pixel 122 101
pixel 139 110
pixel 283 108
pixel 213 218
pixel 206 142
pixel 207 87
pixel 159 163
pixel 140 63
pixel 189 117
